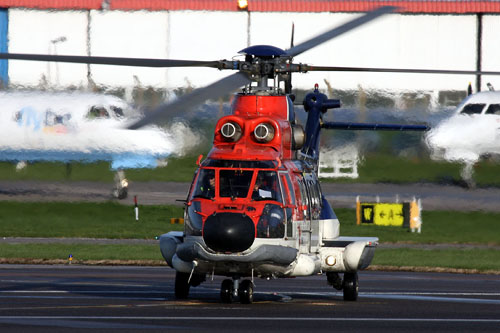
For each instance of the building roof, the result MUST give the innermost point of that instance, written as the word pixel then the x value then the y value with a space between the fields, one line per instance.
pixel 412 6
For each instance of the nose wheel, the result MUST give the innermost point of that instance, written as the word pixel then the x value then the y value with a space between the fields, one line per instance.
pixel 231 289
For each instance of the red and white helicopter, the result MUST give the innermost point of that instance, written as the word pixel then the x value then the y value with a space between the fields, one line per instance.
pixel 255 206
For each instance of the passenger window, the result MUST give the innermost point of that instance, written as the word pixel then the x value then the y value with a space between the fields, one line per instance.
pixel 493 109
pixel 97 112
pixel 473 109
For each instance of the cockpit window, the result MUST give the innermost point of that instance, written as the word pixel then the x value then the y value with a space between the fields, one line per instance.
pixel 98 112
pixel 266 186
pixel 493 109
pixel 205 185
pixel 235 183
pixel 473 109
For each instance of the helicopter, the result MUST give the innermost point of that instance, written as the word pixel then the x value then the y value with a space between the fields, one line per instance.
pixel 255 208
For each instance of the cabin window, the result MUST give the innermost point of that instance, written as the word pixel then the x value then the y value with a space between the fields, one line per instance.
pixel 313 188
pixel 305 199
pixel 52 119
pixel 118 111
pixel 205 185
pixel 98 112
pixel 473 109
pixel 234 183
pixel 493 109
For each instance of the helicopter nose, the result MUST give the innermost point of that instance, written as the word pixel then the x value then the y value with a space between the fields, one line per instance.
pixel 228 232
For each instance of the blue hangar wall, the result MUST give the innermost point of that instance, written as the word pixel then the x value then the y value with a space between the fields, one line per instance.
pixel 4 43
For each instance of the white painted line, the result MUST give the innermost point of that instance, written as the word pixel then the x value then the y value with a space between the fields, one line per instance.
pixel 350 319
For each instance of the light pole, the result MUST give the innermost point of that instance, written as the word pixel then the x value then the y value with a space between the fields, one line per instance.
pixel 53 50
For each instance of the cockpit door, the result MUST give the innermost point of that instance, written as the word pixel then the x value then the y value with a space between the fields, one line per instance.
pixel 289 201
pixel 304 227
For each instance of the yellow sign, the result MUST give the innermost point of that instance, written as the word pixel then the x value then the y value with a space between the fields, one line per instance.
pixel 406 214
pixel 388 214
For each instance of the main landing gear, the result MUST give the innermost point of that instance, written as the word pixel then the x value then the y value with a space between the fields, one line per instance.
pixel 233 288
pixel 349 284
pixel 183 283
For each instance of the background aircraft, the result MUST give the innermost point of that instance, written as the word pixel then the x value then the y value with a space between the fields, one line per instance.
pixel 84 127
pixel 472 132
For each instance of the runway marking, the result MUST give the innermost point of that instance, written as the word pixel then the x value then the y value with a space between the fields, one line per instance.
pixel 285 297
pixel 228 318
pixel 437 298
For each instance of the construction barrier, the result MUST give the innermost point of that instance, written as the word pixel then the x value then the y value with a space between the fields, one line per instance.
pixel 406 214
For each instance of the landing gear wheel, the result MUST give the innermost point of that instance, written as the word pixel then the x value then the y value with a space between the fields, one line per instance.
pixel 350 286
pixel 226 291
pixel 245 292
pixel 181 285
pixel 334 280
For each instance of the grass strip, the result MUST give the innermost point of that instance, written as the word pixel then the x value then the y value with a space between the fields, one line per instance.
pixel 83 219
pixel 482 260
pixel 81 252
pixel 438 227
pixel 116 221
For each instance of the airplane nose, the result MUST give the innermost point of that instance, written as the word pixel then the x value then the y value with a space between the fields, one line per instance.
pixel 228 232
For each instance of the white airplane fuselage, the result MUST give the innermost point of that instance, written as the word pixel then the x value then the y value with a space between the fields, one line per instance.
pixel 65 127
pixel 472 132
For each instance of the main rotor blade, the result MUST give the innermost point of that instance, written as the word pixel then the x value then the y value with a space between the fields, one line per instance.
pixel 326 36
pixel 118 61
pixel 373 127
pixel 186 102
pixel 308 68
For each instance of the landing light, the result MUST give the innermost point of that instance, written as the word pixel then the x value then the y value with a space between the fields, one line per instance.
pixel 330 260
